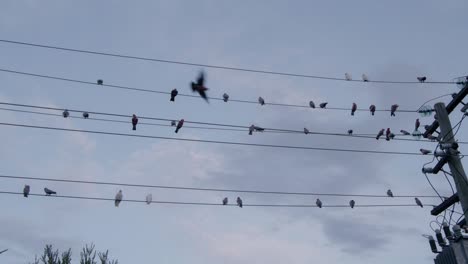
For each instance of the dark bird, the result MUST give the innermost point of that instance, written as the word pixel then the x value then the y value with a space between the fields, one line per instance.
pixel 259 129
pixel 323 105
pixel 393 109
pixel 404 132
pixel 174 93
pixel 118 198
pixel 261 101
pixel 318 203
pixel 26 190
pixel 200 86
pixel 100 82
pixel 350 132
pixel 225 97
pixel 49 192
pixel 422 79
pixel 306 131
pixel 387 134
pixel 391 136
pixel 425 151
pixel 353 109
pixel 389 193
pixel 239 202
pixel 352 203
pixel 418 202
pixel 251 129
pixel 225 201
pixel 173 123
pixel 134 121
pixel 85 115
pixel 381 132
pixel 417 124
pixel 179 125
pixel 65 113
pixel 372 109
pixel 312 104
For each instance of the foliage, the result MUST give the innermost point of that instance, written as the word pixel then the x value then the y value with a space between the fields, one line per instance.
pixel 87 256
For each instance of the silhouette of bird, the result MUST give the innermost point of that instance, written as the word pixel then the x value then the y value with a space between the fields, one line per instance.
pixel 65 113
pixel 251 129
pixel 372 109
pixel 259 129
pixel 225 201
pixel 26 190
pixel 353 109
pixel 318 203
pixel 352 203
pixel 49 192
pixel 323 105
pixel 381 132
pixel 393 108
pixel 425 151
pixel 348 76
pixel 200 86
pixel 389 193
pixel 404 132
pixel 261 101
pixel 173 123
pixel 422 79
pixel 179 125
pixel 364 78
pixel 312 104
pixel 391 135
pixel 239 202
pixel 118 198
pixel 306 131
pixel 174 93
pixel 149 198
pixel 387 134
pixel 134 121
pixel 100 82
pixel 418 202
pixel 85 115
pixel 225 97
pixel 417 124
pixel 350 132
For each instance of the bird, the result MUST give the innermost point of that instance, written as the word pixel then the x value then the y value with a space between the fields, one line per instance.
pixel 417 124
pixel 364 78
pixel 404 132
pixel 261 101
pixel 251 129
pixel 200 86
pixel 259 129
pixel 66 113
pixel 100 82
pixel 149 198
pixel 49 192
pixel 134 121
pixel 381 132
pixel 352 203
pixel 389 193
pixel 179 125
pixel 391 136
pixel 350 132
pixel 174 93
pixel 418 202
pixel 372 109
pixel 353 108
pixel 422 79
pixel 318 203
pixel 225 97
pixel 387 134
pixel 225 201
pixel 425 151
pixel 348 77
pixel 306 131
pixel 85 115
pixel 393 108
pixel 323 105
pixel 118 198
pixel 239 202
pixel 312 104
pixel 173 123
pixel 26 190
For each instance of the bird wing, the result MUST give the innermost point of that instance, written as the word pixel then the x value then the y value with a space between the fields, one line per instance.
pixel 201 79
pixel 203 94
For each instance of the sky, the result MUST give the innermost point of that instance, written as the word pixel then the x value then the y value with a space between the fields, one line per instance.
pixel 387 40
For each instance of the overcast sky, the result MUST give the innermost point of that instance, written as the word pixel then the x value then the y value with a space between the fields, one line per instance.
pixel 390 40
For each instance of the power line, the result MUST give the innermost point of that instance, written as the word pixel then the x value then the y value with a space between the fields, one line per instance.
pixel 206 65
pixel 211 204
pixel 214 141
pixel 209 189
pixel 190 95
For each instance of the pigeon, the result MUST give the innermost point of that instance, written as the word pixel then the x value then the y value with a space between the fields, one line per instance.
pixel 350 132
pixel 100 82
pixel 353 109
pixel 251 129
pixel 352 203
pixel 174 93
pixel 318 203
pixel 404 132
pixel 381 132
pixel 393 108
pixel 364 78
pixel 134 121
pixel 179 125
pixel 66 113
pixel 422 79
pixel 418 202
pixel 416 125
pixel 323 105
pixel 85 115
pixel 387 134
pixel 261 101
pixel 425 151
pixel 225 201
pixel 312 104
pixel 306 131
pixel 173 123
pixel 149 198
pixel 372 109
pixel 49 192
pixel 239 202
pixel 348 77
pixel 26 190
pixel 389 193
pixel 200 86
pixel 225 97
pixel 118 198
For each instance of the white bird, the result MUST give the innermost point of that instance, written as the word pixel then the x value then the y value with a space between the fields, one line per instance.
pixel 118 198
pixel 65 113
pixel 418 202
pixel 389 193
pixel 348 77
pixel 49 192
pixel 312 104
pixel 239 202
pixel 26 190
pixel 306 131
pixel 225 201
pixel 352 203
pixel 261 101
pixel 149 198
pixel 364 78
pixel 318 203
pixel 225 97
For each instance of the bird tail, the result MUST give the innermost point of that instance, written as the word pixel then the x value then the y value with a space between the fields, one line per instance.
pixel 172 99
pixel 352 113
pixel 25 195
pixel 194 87
pixel 134 127
pixel 177 130
pixel 53 192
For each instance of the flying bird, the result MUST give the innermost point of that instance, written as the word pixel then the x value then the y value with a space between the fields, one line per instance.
pixel 312 104
pixel 364 78
pixel 26 190
pixel 387 134
pixel 118 198
pixel 134 121
pixel 66 113
pixel 318 203
pixel 149 198
pixel 225 97
pixel 422 79
pixel 425 151
pixel 352 203
pixel 389 193
pixel 323 105
pixel 348 77
pixel 350 132
pixel 174 93
pixel 353 108
pixel 179 125
pixel 393 108
pixel 225 201
pixel 251 129
pixel 404 132
pixel 100 82
pixel 49 192
pixel 381 132
pixel 418 202
pixel 306 131
pixel 200 86
pixel 372 109
pixel 239 202
pixel 261 101
pixel 85 115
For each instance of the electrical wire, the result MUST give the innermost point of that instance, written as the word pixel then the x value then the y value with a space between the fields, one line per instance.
pixel 184 188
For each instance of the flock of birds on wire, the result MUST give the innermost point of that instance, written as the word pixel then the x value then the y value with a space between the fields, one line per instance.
pixel 149 198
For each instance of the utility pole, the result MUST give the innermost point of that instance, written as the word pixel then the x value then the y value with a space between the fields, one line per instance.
pixel 453 159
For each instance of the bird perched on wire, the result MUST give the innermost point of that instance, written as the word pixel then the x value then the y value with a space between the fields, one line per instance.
pixel 381 132
pixel 422 79
pixel 134 122
pixel 259 129
pixel 149 198
pixel 200 86
pixel 353 108
pixel 425 151
pixel 352 203
pixel 173 123
pixel 26 190
pixel 100 82
pixel 225 201
pixel 239 202
pixel 417 124
pixel 372 109
pixel 85 115
pixel 179 125
pixel 323 105
pixel 348 77
pixel 261 101
pixel 306 131
pixel 404 132
pixel 418 202
pixel 350 132
pixel 49 192
pixel 225 97
pixel 65 113
pixel 389 193
pixel 318 203
pixel 391 136
pixel 118 198
pixel 251 129
pixel 387 134
pixel 312 104
pixel 393 109
pixel 364 78
pixel 174 93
